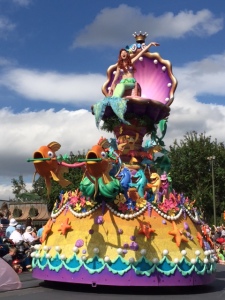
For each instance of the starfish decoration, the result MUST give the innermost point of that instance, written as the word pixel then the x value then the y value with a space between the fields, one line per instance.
pixel 200 239
pixel 64 227
pixel 178 235
pixel 145 228
pixel 47 229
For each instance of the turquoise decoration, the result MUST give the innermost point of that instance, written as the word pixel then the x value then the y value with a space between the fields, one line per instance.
pixel 120 266
pixel 73 264
pixel 55 263
pixel 43 262
pixel 118 105
pixel 140 182
pixel 94 265
pixel 144 267
pixel 166 267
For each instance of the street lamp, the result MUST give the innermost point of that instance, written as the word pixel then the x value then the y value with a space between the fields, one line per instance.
pixel 211 159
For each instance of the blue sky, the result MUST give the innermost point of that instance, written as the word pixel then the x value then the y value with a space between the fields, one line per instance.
pixel 53 61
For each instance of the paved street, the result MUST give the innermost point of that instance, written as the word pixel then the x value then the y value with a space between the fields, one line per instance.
pixel 33 289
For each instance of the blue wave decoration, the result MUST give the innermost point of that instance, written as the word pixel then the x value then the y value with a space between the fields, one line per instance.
pixel 144 267
pixel 120 265
pixel 73 264
pixel 94 265
pixel 166 267
pixel 55 263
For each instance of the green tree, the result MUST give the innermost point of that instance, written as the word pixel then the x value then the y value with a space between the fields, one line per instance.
pixel 191 171
pixel 18 186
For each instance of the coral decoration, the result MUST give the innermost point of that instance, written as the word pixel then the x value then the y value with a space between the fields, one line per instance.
pixel 169 205
pixel 64 227
pixel 200 239
pixel 76 201
pixel 47 230
pixel 178 235
pixel 145 228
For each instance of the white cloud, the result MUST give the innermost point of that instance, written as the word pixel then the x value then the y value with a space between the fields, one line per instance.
pixel 54 87
pixel 24 133
pixel 5 62
pixel 120 22
pixel 22 2
pixel 6 192
pixel 5 26
pixel 203 77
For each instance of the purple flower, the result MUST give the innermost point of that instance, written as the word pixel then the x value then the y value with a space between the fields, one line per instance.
pixel 79 243
pixel 125 246
pixel 99 220
pixel 120 231
pixel 186 226
pixel 134 246
pixel 132 238
pixel 164 221
pixel 124 251
pixel 91 231
pixel 84 251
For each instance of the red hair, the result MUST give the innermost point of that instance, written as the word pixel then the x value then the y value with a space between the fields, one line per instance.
pixel 128 61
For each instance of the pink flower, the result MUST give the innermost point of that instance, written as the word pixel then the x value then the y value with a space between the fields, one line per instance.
pixel 122 207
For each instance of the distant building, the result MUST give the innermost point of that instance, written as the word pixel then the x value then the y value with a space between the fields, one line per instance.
pixel 37 211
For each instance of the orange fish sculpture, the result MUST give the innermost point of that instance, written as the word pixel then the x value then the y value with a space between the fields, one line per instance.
pixel 47 166
pixel 97 178
pixel 97 164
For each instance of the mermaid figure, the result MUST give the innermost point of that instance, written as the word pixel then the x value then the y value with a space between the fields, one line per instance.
pixel 125 65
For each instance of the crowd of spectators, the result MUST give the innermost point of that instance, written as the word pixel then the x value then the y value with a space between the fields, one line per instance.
pixel 218 237
pixel 13 234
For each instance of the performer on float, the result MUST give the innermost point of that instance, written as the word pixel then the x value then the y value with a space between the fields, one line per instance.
pixel 125 64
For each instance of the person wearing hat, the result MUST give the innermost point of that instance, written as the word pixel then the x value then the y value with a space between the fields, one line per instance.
pixel 11 227
pixel 16 235
pixel 27 236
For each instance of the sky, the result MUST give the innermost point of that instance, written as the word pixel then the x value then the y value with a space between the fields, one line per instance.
pixel 53 61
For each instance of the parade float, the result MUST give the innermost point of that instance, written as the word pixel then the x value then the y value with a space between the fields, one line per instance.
pixel 125 225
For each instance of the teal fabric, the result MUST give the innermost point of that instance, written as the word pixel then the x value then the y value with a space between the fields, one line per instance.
pixel 118 105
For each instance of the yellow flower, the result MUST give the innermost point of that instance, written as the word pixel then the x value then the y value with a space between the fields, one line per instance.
pixel 119 199
pixel 90 203
pixel 77 207
pixel 141 202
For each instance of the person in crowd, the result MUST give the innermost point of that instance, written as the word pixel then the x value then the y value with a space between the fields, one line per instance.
pixel 1 234
pixel 10 256
pixel 217 233
pixel 34 232
pixel 39 232
pixel 16 235
pixel 28 237
pixel 11 227
pixel 4 216
pixel 223 231
pixel 29 222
